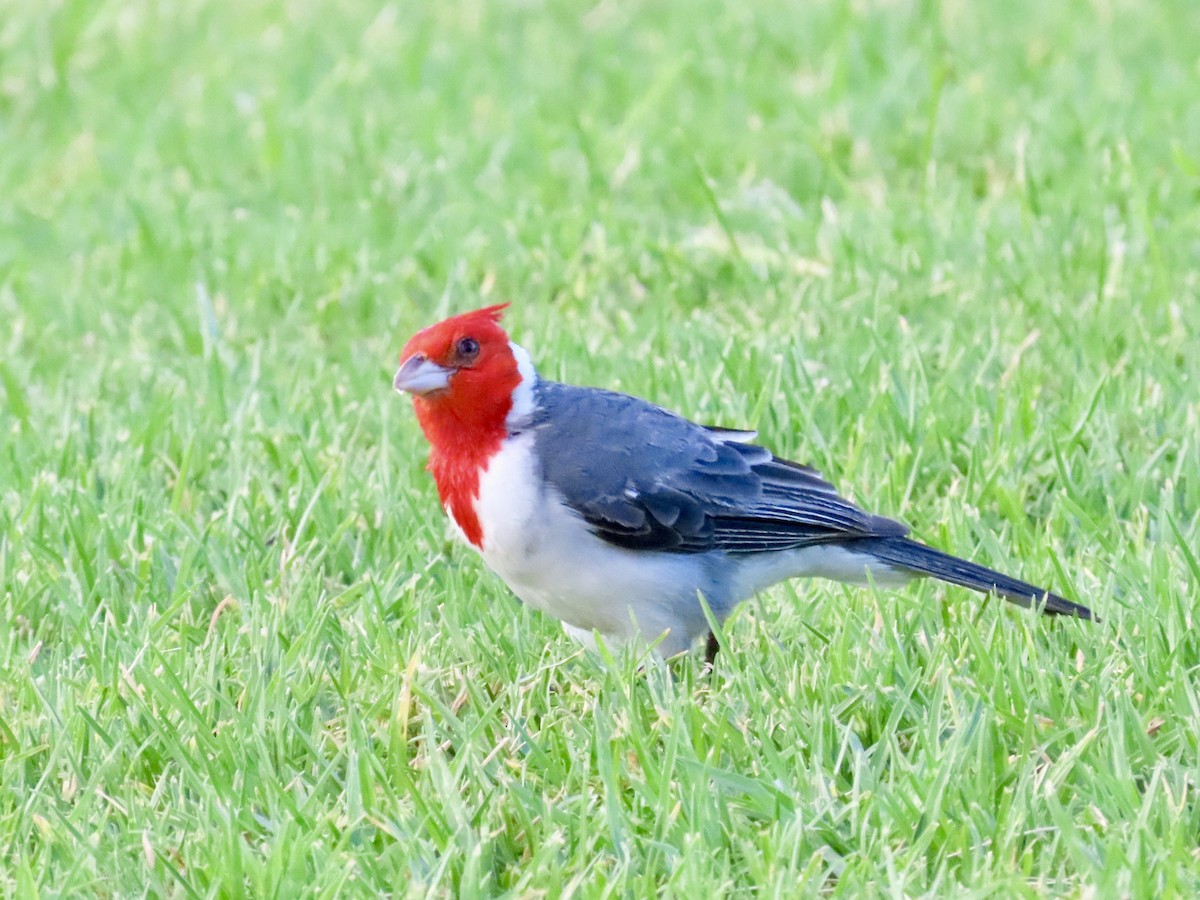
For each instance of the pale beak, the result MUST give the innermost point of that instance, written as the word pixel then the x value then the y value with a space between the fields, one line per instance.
pixel 419 376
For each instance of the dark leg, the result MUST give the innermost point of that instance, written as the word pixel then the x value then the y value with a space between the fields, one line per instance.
pixel 710 652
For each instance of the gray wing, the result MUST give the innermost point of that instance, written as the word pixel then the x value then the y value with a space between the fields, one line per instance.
pixel 645 478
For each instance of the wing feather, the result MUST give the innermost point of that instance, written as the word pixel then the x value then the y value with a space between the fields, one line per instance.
pixel 645 478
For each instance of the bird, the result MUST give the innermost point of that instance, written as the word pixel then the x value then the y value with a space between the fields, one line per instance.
pixel 623 519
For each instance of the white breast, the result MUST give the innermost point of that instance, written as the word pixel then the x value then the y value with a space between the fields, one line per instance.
pixel 549 557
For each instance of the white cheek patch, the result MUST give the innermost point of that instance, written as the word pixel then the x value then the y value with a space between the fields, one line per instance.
pixel 522 398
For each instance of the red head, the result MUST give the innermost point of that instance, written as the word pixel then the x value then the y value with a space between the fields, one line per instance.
pixel 462 374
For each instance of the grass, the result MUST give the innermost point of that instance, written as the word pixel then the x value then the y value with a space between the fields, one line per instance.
pixel 944 251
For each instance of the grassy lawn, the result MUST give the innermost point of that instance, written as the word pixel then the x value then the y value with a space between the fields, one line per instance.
pixel 946 252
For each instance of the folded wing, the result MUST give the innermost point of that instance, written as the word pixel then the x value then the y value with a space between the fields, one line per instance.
pixel 645 478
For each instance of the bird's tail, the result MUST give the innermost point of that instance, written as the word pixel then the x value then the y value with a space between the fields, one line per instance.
pixel 921 560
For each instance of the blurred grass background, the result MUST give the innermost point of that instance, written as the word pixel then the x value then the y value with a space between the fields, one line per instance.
pixel 946 251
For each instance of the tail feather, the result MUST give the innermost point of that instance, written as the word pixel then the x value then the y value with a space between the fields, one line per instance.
pixel 922 560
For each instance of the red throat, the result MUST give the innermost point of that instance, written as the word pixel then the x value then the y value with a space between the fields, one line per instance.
pixel 459 455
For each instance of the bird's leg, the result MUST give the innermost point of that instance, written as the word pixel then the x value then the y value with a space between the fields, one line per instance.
pixel 711 648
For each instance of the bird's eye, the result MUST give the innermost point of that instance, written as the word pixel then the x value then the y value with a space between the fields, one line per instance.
pixel 467 347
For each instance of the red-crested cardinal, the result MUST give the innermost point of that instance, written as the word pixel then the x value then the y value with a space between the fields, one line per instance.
pixel 615 515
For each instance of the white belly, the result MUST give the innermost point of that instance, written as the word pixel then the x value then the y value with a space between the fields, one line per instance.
pixel 551 560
